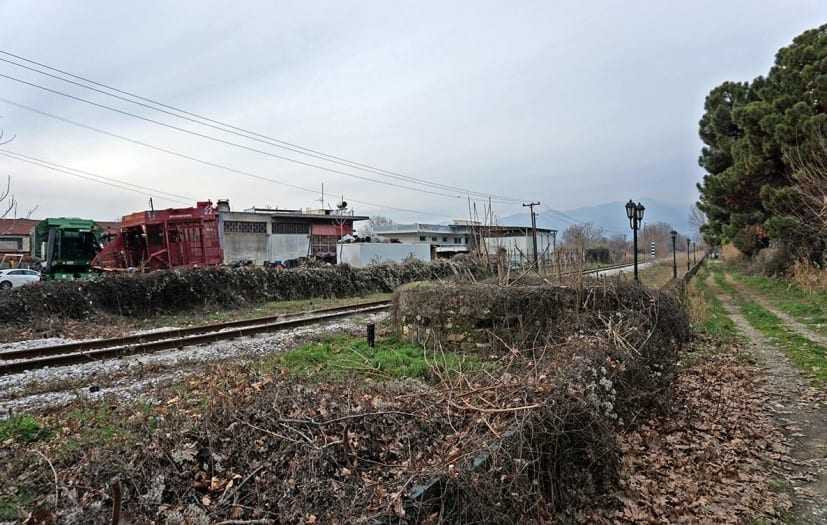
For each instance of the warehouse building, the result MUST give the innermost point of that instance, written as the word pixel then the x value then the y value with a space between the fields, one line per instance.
pixel 444 240
pixel 272 236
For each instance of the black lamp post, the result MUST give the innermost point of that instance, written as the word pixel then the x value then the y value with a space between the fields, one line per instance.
pixel 634 212
pixel 674 254
pixel 688 260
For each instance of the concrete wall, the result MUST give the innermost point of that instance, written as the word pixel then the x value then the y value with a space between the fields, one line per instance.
pixel 242 247
pixel 281 247
pixel 361 254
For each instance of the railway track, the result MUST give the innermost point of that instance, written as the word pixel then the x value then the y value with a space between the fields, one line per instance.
pixel 16 361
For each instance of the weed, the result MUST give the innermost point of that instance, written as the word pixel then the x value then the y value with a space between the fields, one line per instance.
pixel 809 308
pixel 390 358
pixel 807 355
pixel 22 429
pixel 710 317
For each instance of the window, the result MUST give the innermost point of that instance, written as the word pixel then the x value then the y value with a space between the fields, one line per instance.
pixel 291 227
pixel 457 240
pixel 11 243
pixel 323 244
pixel 245 227
pixel 422 238
pixel 433 239
pixel 445 239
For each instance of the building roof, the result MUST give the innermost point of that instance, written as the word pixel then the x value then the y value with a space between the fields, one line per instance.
pixel 419 228
pixel 109 225
pixel 20 227
pixel 386 229
pixel 314 215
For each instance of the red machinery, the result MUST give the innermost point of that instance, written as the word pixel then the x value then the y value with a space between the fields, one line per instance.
pixel 163 239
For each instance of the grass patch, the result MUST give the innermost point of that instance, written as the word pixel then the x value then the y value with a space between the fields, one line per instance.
pixel 805 354
pixel 22 429
pixel 708 313
pixel 809 308
pixel 11 506
pixel 220 315
pixel 97 425
pixel 390 359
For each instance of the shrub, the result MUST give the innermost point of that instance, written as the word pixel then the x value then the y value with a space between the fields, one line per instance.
pixel 144 295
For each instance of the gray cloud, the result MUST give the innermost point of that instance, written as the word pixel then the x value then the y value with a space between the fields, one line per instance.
pixel 566 103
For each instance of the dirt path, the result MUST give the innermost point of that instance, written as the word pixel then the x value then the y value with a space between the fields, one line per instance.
pixel 801 411
pixel 789 321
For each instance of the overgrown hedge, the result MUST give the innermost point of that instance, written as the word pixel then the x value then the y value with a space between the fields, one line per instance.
pixel 144 295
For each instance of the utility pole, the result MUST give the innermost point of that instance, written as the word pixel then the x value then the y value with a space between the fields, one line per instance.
pixel 531 206
pixel 554 249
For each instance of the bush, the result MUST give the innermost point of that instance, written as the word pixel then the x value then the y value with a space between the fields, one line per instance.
pixel 771 262
pixel 144 295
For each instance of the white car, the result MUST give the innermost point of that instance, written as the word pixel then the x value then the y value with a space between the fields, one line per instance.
pixel 17 277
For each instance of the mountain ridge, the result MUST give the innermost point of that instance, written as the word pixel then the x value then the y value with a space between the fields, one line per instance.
pixel 610 216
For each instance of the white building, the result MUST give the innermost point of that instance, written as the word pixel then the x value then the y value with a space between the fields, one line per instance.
pixel 361 254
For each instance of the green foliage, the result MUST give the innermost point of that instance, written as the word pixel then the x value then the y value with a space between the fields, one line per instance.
pixel 806 307
pixel 389 359
pixel 750 131
pixel 715 323
pixel 22 429
pixel 807 355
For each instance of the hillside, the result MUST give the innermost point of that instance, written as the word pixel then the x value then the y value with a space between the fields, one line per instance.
pixel 610 216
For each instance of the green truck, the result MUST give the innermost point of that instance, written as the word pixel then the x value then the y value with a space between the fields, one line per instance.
pixel 66 247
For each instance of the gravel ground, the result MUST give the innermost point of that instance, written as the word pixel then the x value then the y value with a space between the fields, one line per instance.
pixel 135 376
pixel 34 343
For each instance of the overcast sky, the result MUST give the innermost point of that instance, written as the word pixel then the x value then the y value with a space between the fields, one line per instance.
pixel 569 103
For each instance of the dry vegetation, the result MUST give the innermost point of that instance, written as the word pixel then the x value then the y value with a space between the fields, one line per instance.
pixel 54 307
pixel 533 404
pixel 529 431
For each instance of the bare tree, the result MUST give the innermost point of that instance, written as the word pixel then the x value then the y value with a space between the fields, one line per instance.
pixel 697 218
pixel 809 179
pixel 8 203
pixel 582 236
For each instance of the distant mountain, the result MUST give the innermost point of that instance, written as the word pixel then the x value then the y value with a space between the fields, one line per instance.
pixel 610 216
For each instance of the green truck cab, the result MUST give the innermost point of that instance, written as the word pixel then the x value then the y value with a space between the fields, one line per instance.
pixel 66 247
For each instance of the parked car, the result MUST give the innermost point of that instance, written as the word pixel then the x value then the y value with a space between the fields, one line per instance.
pixel 17 277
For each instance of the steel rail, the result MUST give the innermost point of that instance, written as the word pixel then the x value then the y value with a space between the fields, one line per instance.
pixel 47 356
pixel 15 361
pixel 26 353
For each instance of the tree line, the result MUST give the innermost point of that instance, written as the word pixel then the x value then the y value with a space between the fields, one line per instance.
pixel 765 156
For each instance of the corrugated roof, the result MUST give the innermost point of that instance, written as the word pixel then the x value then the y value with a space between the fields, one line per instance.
pixel 20 227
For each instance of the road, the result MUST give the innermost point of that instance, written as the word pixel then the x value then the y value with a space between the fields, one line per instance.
pixel 616 271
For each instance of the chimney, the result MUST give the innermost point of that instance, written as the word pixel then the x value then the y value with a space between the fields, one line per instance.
pixel 223 205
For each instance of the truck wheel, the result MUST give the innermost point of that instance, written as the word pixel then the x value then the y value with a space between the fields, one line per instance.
pixel 5 285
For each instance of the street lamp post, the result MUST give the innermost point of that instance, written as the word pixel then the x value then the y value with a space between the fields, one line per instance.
pixel 634 212
pixel 688 260
pixel 674 254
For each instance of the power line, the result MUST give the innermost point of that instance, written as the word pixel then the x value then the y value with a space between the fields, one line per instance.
pixel 202 161
pixel 222 141
pixel 100 179
pixel 241 132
